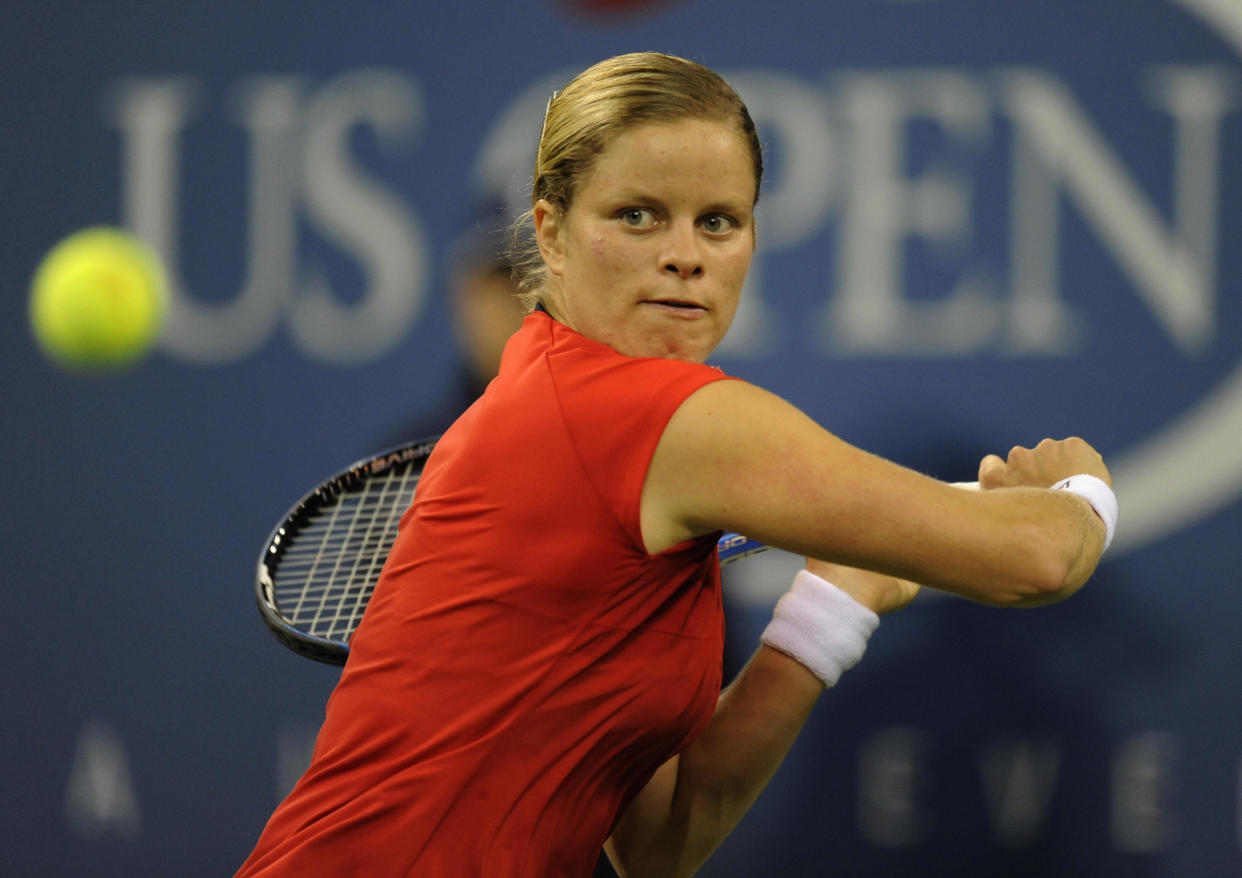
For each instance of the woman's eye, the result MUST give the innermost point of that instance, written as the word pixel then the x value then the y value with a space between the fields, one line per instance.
pixel 638 217
pixel 718 223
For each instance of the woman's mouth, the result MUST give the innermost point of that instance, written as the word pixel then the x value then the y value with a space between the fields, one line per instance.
pixel 682 306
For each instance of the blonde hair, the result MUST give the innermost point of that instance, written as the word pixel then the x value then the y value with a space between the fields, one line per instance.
pixel 596 106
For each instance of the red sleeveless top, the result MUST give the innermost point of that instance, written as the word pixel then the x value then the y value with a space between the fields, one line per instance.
pixel 524 665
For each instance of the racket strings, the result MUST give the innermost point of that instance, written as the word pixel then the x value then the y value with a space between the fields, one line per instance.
pixel 376 541
pixel 326 575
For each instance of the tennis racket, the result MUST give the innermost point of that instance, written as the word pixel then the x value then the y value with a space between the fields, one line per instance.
pixel 320 563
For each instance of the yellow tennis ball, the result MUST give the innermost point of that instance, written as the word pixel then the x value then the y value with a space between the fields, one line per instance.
pixel 98 300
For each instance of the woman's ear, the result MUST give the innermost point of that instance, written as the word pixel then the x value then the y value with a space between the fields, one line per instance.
pixel 548 235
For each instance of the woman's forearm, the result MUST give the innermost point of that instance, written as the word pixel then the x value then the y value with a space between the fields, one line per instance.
pixel 695 800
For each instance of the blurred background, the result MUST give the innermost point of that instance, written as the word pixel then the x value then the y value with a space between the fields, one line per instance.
pixel 984 222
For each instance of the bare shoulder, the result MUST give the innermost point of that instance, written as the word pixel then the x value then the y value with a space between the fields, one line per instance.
pixel 718 416
pixel 737 457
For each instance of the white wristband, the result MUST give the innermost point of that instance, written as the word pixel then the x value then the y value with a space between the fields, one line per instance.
pixel 1101 497
pixel 820 627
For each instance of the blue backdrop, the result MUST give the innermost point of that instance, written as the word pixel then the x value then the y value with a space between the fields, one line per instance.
pixel 985 222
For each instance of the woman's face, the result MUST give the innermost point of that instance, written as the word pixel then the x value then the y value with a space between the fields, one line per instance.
pixel 651 256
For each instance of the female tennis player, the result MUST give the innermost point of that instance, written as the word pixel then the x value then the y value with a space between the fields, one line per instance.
pixel 538 672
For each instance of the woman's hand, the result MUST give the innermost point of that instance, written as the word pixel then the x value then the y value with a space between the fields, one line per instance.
pixel 876 591
pixel 1042 466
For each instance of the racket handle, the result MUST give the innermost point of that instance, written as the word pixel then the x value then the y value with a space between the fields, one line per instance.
pixel 731 547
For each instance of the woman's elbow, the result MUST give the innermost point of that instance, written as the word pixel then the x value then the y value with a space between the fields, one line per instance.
pixel 1044 590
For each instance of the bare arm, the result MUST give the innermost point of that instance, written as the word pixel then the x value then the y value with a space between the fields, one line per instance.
pixel 738 458
pixel 695 799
